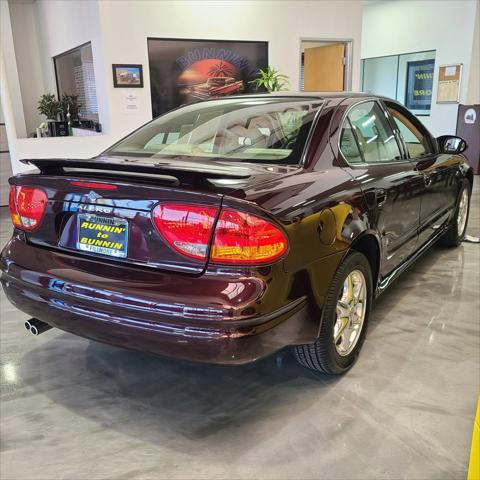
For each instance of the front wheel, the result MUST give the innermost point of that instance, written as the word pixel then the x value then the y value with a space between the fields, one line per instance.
pixel 458 225
pixel 344 319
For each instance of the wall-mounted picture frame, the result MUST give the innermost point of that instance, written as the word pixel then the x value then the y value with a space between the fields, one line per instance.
pixel 449 80
pixel 127 75
pixel 188 70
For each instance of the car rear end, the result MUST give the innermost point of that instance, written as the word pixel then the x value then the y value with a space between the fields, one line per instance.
pixel 144 246
pixel 152 267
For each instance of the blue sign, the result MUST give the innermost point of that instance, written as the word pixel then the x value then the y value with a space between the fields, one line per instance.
pixel 418 92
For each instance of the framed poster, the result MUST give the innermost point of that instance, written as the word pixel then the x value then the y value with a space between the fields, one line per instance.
pixel 127 75
pixel 449 78
pixel 419 85
pixel 183 71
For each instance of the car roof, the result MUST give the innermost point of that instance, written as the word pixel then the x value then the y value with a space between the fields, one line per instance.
pixel 319 95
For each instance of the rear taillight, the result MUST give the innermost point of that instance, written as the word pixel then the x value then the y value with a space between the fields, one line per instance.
pixel 187 228
pixel 244 238
pixel 239 237
pixel 27 206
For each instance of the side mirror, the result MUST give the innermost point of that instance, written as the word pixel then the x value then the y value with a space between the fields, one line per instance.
pixel 450 144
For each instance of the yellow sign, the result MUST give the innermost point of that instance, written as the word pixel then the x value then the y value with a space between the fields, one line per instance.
pixel 102 237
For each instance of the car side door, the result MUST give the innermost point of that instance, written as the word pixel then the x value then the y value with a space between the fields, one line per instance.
pixel 436 183
pixel 387 178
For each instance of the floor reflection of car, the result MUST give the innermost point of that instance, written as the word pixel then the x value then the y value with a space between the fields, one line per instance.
pixel 226 230
pixel 216 87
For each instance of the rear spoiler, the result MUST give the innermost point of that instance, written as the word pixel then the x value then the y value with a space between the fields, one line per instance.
pixel 187 172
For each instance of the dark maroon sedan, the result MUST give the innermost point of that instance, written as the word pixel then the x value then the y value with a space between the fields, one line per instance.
pixel 226 230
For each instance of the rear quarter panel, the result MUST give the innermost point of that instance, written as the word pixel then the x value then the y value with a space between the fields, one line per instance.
pixel 320 207
pixel 322 212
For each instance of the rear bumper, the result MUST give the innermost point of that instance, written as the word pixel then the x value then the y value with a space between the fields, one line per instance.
pixel 130 310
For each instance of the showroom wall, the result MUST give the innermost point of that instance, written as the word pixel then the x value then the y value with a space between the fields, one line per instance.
pixel 281 24
pixel 32 32
pixel 118 32
pixel 9 85
pixel 403 26
pixel 473 95
pixel 29 66
pixel 63 25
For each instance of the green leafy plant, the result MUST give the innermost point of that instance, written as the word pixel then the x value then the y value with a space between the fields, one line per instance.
pixel 49 106
pixel 272 80
pixel 69 103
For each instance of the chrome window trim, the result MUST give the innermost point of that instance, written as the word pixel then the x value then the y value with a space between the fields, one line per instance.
pixel 364 164
pixel 306 148
pixel 431 140
pixel 396 130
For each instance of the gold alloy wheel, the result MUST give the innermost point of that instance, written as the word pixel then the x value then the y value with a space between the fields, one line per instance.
pixel 462 212
pixel 351 308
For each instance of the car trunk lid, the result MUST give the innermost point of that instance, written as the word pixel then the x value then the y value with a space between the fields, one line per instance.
pixel 95 205
pixel 104 214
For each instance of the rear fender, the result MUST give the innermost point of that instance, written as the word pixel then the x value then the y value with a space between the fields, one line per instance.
pixel 369 243
pixel 323 271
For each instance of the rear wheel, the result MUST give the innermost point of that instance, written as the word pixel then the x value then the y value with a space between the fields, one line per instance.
pixel 344 319
pixel 458 225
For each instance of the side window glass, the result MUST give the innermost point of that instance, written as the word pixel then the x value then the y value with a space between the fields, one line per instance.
pixel 416 141
pixel 348 144
pixel 373 133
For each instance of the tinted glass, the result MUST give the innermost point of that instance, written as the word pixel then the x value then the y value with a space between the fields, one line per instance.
pixel 408 78
pixel 348 145
pixel 373 133
pixel 254 130
pixel 417 142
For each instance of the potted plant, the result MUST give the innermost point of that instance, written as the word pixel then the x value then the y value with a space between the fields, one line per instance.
pixel 270 79
pixel 49 106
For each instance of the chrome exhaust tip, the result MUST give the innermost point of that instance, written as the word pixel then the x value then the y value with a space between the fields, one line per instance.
pixel 36 327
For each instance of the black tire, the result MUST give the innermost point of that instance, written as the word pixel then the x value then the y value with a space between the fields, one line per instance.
pixel 322 355
pixel 453 238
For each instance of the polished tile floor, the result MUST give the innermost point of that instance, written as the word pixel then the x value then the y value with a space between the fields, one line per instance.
pixel 75 409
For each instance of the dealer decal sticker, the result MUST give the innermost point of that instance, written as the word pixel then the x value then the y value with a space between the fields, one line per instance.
pixel 95 235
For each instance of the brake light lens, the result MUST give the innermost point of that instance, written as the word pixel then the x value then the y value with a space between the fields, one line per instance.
pixel 239 237
pixel 244 238
pixel 96 185
pixel 27 206
pixel 187 228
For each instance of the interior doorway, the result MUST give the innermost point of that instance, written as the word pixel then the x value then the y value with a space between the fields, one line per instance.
pixel 325 65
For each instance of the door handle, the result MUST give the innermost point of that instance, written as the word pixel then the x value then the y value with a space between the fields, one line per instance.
pixel 381 196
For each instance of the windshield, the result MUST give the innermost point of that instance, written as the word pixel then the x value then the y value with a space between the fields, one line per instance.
pixel 254 129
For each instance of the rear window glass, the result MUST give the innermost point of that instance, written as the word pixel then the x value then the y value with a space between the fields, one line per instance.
pixel 255 130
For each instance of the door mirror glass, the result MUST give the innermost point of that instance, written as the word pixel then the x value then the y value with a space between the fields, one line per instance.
pixel 450 144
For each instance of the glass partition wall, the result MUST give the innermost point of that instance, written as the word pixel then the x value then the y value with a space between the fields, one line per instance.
pixel 407 78
pixel 75 76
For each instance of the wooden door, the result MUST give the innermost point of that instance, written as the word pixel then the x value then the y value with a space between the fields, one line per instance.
pixel 324 68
